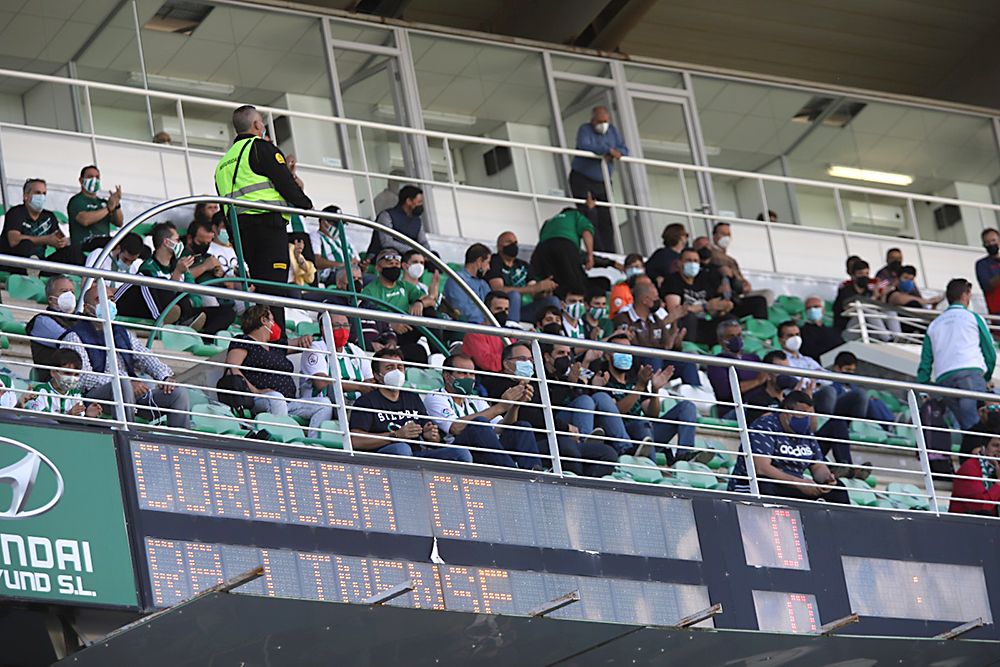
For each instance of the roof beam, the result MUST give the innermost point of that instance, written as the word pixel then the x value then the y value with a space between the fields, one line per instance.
pixel 610 27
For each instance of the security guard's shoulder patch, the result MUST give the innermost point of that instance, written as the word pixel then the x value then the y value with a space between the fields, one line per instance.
pixel 279 158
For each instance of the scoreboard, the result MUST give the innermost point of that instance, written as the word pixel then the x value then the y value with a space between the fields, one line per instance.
pixel 329 526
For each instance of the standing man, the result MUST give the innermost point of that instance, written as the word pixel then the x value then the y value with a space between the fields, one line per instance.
pixel 405 218
pixel 253 169
pixel 90 216
pixel 988 270
pixel 601 138
pixel 958 352
pixel 29 230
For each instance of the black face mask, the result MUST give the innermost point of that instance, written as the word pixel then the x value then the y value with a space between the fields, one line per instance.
pixel 861 281
pixel 511 250
pixel 198 249
pixel 358 285
pixel 481 273
pixel 417 211
pixel 501 315
pixel 561 366
pixel 391 273
pixel 992 250
pixel 553 328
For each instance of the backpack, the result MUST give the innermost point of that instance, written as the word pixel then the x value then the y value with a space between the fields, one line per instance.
pixel 241 404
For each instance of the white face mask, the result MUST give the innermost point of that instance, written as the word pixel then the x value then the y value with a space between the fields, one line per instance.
pixel 793 344
pixel 415 270
pixel 602 128
pixel 724 241
pixel 66 302
pixel 394 378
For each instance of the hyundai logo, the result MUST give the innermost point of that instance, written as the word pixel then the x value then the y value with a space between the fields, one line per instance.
pixel 21 477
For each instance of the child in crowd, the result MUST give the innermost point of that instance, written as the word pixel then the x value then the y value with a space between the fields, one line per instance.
pixel 61 395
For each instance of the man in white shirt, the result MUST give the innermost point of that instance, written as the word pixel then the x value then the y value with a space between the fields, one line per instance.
pixel 355 367
pixel 853 403
pixel 958 352
pixel 466 419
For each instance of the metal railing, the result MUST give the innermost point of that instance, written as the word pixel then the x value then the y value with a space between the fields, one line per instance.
pixel 689 211
pixel 585 435
pixel 872 322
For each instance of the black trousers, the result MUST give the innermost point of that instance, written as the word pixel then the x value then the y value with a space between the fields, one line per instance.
pixel 140 301
pixel 580 185
pixel 838 495
pixel 559 258
pixel 71 254
pixel 264 240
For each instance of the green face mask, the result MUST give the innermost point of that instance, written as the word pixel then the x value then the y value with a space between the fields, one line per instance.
pixel 464 386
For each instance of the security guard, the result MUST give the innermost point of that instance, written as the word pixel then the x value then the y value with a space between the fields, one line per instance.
pixel 253 169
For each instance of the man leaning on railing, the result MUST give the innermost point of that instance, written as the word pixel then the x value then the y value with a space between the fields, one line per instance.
pixel 133 358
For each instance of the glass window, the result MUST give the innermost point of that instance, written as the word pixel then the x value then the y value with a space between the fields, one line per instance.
pixel 487 91
pixel 361 33
pixel 575 65
pixel 653 76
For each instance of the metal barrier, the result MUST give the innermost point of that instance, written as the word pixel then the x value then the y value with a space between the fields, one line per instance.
pixel 590 434
pixel 872 322
pixel 690 212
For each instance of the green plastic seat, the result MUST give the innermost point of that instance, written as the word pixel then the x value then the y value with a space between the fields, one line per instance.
pixel 696 475
pixel 776 315
pixel 175 337
pixel 868 432
pixel 639 468
pixel 716 421
pixel 426 379
pixel 860 493
pixel 4 275
pixel 323 439
pixel 307 329
pixel 792 305
pixel 26 288
pixel 203 350
pixel 282 428
pixel 197 397
pixel 723 459
pixel 907 496
pixel 761 329
pixel 754 345
pixel 210 418
pixel 693 348
pixel 672 480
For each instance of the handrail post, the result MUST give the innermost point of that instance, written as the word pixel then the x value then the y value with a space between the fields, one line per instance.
pixel 862 322
pixel 241 268
pixel 338 381
pixel 616 233
pixel 550 420
pixel 741 419
pixel 925 463
pixel 112 355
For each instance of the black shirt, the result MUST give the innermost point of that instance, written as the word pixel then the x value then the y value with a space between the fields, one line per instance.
pixel 845 295
pixel 19 219
pixel 759 397
pixel 662 263
pixel 388 415
pixel 818 340
pixel 495 386
pixel 262 359
pixel 267 160
pixel 515 275
pixel 705 286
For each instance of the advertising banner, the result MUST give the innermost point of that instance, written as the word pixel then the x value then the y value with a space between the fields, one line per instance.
pixel 62 520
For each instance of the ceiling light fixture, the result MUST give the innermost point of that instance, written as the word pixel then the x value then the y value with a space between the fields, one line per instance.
pixel 179 85
pixel 870 175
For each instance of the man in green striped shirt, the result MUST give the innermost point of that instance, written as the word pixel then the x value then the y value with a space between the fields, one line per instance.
pixel 328 250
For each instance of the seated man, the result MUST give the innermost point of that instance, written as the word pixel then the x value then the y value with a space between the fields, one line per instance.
pixel 354 366
pixel 976 488
pixel 736 286
pixel 124 257
pixel 590 458
pixel 414 265
pixel 852 403
pixel 392 289
pixel 405 218
pixel 90 215
pixel 550 320
pixel 169 262
pixel 847 363
pixel 768 397
pixel 132 358
pixel 730 336
pixel 47 329
pixel 783 448
pixel 621 293
pixel 29 230
pixel 860 287
pixel 328 251
pixel 574 307
pixel 484 349
pixel 653 327
pixel 638 396
pixel 699 291
pixel 391 420
pixel 817 338
pixel 466 419
pixel 596 325
pixel 61 394
pixel 508 273
pixel 477 262
pixel 905 293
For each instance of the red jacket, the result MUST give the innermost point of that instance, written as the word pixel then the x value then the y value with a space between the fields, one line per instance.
pixel 485 351
pixel 965 492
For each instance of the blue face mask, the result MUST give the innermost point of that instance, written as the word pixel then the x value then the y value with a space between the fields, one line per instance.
pixel 622 360
pixel 814 313
pixel 735 344
pixel 37 202
pixel 691 269
pixel 524 369
pixel 801 425
pixel 224 237
pixel 906 285
pixel 112 310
